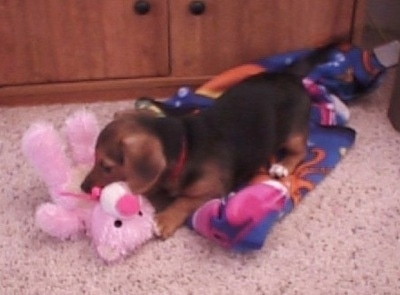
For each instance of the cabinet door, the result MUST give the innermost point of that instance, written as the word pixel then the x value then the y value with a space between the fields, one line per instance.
pixel 229 32
pixel 70 40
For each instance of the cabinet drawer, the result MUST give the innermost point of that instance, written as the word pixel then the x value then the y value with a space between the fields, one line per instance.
pixel 229 32
pixel 46 41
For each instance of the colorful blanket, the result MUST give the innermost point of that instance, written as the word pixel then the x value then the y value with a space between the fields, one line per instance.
pixel 242 220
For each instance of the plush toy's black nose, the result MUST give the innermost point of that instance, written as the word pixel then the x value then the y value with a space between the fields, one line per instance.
pixel 117 223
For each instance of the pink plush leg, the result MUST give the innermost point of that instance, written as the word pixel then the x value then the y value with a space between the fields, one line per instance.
pixel 59 222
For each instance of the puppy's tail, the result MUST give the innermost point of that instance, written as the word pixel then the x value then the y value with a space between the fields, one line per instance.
pixel 317 56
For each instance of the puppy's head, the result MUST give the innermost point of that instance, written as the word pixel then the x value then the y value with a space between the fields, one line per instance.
pixel 126 151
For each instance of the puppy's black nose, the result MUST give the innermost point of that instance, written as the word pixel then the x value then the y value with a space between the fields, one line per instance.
pixel 86 187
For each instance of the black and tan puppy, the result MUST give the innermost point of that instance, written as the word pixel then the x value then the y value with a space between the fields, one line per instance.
pixel 195 158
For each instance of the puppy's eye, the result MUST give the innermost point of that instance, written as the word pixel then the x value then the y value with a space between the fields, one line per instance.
pixel 105 168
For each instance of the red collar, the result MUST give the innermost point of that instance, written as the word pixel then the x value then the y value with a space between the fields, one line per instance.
pixel 180 164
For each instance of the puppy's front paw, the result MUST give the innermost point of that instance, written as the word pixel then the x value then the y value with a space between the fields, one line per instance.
pixel 278 171
pixel 166 225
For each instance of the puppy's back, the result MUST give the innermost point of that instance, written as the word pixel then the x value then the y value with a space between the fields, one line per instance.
pixel 263 104
pixel 253 118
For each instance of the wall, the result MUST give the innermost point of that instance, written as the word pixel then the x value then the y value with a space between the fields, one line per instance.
pixel 386 15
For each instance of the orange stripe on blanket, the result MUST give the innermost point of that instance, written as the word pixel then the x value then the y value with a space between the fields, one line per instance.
pixel 216 86
pixel 369 68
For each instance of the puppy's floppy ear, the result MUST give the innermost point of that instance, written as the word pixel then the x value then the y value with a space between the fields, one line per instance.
pixel 144 161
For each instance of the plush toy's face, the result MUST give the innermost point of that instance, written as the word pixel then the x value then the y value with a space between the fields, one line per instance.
pixel 121 222
pixel 115 238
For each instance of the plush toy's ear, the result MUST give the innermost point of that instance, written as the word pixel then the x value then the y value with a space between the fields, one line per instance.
pixel 144 161
pixel 82 130
pixel 44 149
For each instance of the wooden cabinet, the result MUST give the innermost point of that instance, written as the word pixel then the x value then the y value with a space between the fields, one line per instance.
pixel 72 50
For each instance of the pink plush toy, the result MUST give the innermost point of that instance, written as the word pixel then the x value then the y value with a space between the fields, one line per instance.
pixel 116 220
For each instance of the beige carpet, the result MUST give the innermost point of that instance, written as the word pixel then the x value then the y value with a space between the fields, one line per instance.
pixel 344 238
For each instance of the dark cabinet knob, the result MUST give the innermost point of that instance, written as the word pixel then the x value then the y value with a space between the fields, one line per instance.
pixel 197 7
pixel 141 7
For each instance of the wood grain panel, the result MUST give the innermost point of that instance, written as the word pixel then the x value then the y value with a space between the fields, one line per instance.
pixel 71 40
pixel 232 32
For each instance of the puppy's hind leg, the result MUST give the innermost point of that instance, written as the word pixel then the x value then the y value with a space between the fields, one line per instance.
pixel 295 120
pixel 295 149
